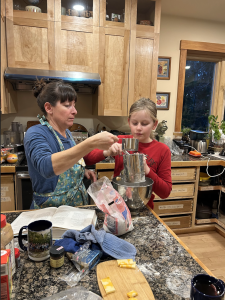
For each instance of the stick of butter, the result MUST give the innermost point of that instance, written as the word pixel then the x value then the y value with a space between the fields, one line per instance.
pixel 125 262
pixel 130 266
pixel 108 286
pixel 132 294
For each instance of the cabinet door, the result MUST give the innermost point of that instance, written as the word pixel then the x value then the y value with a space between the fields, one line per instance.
pixel 30 37
pixel 7 193
pixel 144 45
pixel 8 95
pixel 77 41
pixel 113 70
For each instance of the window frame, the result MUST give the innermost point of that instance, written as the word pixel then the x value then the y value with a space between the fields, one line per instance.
pixel 191 50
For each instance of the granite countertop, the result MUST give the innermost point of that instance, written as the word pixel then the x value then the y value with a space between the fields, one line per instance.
pixel 167 266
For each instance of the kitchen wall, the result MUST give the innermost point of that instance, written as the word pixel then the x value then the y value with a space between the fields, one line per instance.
pixel 28 111
pixel 173 29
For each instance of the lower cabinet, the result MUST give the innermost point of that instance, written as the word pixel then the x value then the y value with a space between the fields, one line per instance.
pixel 170 206
pixel 7 193
pixel 178 210
pixel 180 221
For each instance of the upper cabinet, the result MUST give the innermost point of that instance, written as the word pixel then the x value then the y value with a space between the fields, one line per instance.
pixel 30 34
pixel 119 39
pixel 77 35
pixel 129 44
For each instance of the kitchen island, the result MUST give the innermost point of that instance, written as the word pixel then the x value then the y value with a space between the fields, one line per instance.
pixel 166 262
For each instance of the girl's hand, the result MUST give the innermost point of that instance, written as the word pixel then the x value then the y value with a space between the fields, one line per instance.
pixel 146 167
pixel 114 150
pixel 90 175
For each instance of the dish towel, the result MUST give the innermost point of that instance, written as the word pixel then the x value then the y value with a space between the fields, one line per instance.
pixel 109 243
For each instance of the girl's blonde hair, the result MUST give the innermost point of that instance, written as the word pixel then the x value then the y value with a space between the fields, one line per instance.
pixel 145 104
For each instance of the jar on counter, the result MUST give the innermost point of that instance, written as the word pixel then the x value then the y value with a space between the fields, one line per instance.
pixel 17 257
pixel 7 241
pixel 57 254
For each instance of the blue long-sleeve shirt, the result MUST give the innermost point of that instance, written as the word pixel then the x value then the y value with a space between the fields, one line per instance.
pixel 40 143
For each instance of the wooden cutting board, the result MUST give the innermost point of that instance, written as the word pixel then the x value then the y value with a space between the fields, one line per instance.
pixel 124 281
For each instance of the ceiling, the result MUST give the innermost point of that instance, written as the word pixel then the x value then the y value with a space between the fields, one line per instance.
pixel 210 10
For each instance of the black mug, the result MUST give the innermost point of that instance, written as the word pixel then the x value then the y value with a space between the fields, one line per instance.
pixel 206 287
pixel 39 239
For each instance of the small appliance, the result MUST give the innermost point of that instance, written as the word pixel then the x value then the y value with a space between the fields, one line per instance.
pixel 198 140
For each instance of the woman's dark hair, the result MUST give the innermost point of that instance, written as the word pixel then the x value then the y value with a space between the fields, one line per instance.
pixel 53 92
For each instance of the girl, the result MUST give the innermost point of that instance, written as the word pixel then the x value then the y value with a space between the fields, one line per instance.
pixel 142 120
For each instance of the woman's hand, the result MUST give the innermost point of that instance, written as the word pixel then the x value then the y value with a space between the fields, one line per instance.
pixel 146 167
pixel 115 149
pixel 90 175
pixel 103 140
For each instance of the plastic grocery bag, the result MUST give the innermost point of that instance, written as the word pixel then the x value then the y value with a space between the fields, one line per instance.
pixel 117 215
pixel 75 293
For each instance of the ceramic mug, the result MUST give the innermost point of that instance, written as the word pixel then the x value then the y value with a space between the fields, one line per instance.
pixel 206 287
pixel 33 8
pixel 39 239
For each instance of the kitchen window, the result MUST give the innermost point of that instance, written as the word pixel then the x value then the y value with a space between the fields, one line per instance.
pixel 200 87
pixel 198 92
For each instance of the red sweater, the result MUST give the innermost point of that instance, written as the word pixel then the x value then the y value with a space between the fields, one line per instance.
pixel 94 157
pixel 159 162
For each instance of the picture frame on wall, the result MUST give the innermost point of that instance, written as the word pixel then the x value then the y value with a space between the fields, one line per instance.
pixel 162 100
pixel 164 67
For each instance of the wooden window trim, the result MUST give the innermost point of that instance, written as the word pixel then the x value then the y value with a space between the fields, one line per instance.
pixel 207 51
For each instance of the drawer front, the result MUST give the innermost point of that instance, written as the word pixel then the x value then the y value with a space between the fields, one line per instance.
pixel 108 174
pixel 166 207
pixel 181 174
pixel 178 222
pixel 180 190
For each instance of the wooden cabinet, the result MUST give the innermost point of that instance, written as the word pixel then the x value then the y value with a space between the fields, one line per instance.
pixel 8 95
pixel 7 193
pixel 178 210
pixel 128 62
pixel 77 41
pixel 125 53
pixel 30 38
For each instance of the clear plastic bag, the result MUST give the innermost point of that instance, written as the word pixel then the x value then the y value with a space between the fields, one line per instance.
pixel 86 258
pixel 72 277
pixel 75 293
pixel 117 215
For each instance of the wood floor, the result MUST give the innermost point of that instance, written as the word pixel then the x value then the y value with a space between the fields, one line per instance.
pixel 209 247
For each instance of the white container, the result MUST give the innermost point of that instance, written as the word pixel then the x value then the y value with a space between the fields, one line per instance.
pixel 33 8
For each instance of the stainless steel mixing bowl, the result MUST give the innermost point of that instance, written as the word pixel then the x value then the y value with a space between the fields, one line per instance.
pixel 135 194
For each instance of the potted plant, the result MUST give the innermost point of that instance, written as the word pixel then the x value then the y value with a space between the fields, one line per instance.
pixel 216 129
pixel 185 132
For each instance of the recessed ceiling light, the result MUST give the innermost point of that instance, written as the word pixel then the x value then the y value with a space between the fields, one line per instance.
pixel 187 67
pixel 78 7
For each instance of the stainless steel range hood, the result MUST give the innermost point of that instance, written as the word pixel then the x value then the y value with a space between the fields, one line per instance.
pixel 23 79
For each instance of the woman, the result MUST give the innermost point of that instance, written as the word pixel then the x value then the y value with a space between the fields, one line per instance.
pixel 55 163
pixel 142 121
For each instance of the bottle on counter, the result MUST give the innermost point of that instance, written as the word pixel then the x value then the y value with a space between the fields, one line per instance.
pixel 7 240
pixel 6 275
pixel 17 257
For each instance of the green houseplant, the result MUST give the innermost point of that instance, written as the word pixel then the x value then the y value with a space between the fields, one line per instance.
pixel 215 126
pixel 185 132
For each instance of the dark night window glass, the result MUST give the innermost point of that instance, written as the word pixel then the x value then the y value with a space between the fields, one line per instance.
pixel 198 90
